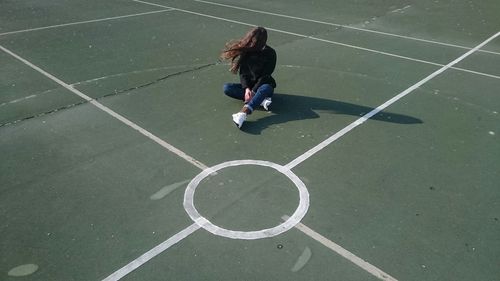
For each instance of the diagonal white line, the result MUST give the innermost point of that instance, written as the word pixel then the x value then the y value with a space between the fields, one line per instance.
pixel 110 112
pixel 117 275
pixel 381 107
pixel 476 72
pixel 373 270
pixel 83 22
pixel 323 240
pixel 133 265
pixel 319 39
pixel 291 33
pixel 343 26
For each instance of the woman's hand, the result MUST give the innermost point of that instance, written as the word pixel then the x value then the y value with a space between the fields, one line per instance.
pixel 248 94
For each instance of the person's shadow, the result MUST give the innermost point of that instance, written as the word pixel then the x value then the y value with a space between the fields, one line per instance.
pixel 286 108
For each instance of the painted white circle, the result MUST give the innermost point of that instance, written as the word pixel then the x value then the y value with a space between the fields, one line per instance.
pixel 299 213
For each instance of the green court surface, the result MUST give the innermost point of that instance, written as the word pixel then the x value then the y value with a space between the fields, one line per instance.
pixel 378 160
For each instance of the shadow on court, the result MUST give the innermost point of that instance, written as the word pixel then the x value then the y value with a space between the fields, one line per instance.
pixel 286 108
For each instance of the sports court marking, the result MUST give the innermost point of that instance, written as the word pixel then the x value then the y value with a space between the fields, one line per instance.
pixel 321 40
pixel 375 271
pixel 343 26
pixel 381 107
pixel 247 235
pixel 122 272
pixel 84 22
pixel 110 112
pixel 167 9
pixel 18 100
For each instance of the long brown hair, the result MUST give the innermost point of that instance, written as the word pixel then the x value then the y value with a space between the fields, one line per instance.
pixel 254 40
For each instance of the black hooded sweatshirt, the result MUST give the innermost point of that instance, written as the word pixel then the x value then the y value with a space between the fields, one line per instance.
pixel 256 68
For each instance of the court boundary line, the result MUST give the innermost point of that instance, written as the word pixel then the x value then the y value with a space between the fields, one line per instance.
pixel 273 29
pixel 322 40
pixel 160 248
pixel 381 107
pixel 343 252
pixel 345 26
pixel 109 111
pixel 83 22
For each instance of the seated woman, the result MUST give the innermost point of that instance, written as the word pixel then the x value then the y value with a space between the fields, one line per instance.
pixel 255 61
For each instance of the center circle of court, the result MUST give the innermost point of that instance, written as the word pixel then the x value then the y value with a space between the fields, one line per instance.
pixel 290 222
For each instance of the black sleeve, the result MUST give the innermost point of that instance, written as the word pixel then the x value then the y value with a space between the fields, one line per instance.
pixel 245 74
pixel 245 80
pixel 268 69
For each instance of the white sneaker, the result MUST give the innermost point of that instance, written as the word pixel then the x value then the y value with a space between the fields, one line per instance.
pixel 239 118
pixel 266 103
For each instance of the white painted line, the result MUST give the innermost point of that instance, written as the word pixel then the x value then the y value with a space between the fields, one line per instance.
pixel 83 22
pixel 172 240
pixel 18 100
pixel 343 26
pixel 155 4
pixel 381 107
pixel 319 39
pixel 110 112
pixel 476 72
pixel 291 33
pixel 120 273
pixel 398 56
pixel 141 71
pixel 299 213
pixel 380 274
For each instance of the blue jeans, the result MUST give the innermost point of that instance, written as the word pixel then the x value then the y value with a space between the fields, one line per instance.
pixel 236 91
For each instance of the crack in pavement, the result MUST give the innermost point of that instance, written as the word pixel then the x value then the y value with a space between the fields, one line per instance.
pixel 112 94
